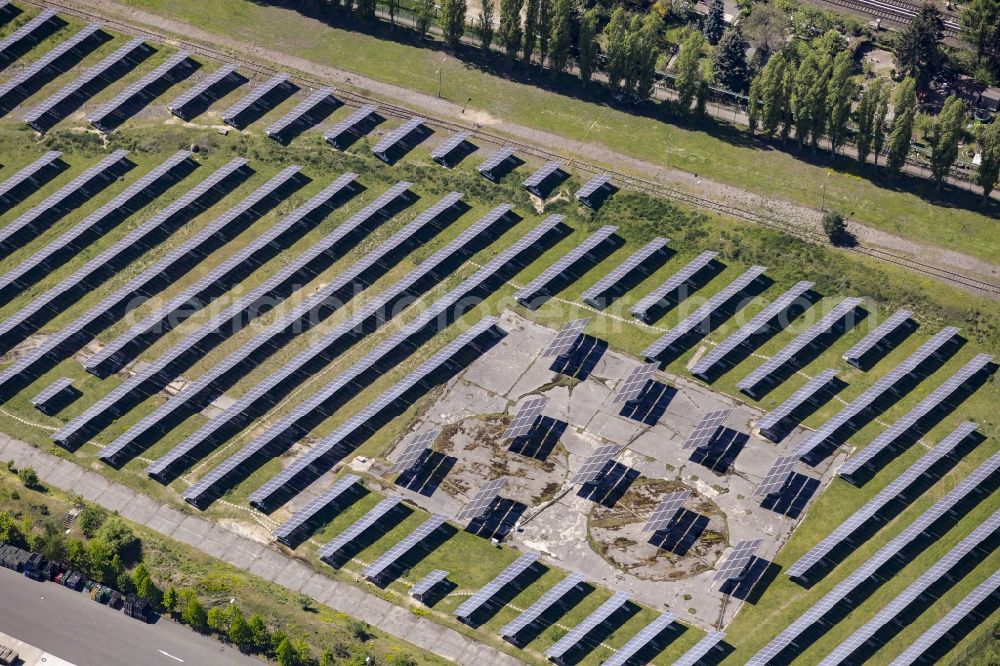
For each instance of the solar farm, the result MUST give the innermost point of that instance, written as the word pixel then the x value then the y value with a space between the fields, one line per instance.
pixel 495 387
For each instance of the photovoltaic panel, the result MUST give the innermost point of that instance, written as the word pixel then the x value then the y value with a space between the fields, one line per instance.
pixel 386 143
pixel 187 255
pixel 551 597
pixel 357 428
pixel 665 511
pixel 52 110
pixel 801 342
pixel 962 610
pixel 414 450
pixel 592 621
pixel 425 584
pixel 738 559
pixel 634 263
pixel 99 118
pixel 441 152
pixel 537 287
pixel 595 462
pixel 914 592
pixel 411 541
pixel 705 430
pixel 202 88
pixel 25 32
pixel 625 653
pixel 287 531
pixel 641 309
pixel 51 391
pixel 699 316
pixel 495 160
pixel 934 399
pixel 874 392
pixel 635 383
pixel 91 275
pixel 525 418
pixel 26 175
pixel 592 185
pixel 888 553
pixel 797 399
pixel 39 218
pixel 265 392
pixel 358 528
pixel 776 477
pixel 566 337
pixel 693 656
pixel 885 329
pixel 891 493
pixel 300 112
pixel 482 499
pixel 502 580
pixel 533 181
pixel 758 324
pixel 348 124
pixel 51 62
pixel 254 97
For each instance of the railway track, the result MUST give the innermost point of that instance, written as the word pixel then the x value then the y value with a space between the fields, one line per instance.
pixel 895 11
pixel 621 179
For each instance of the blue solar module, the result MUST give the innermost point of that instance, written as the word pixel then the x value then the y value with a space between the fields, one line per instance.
pixel 28 34
pixel 291 529
pixel 887 438
pixel 466 610
pixel 378 568
pixel 866 574
pixel 885 383
pixel 755 326
pixel 534 182
pixel 693 656
pixel 766 370
pixel 622 656
pixel 256 101
pixel 56 61
pixel 353 125
pixel 207 88
pixel 92 227
pixel 850 533
pixel 442 152
pixel 876 338
pixel 363 524
pixel 427 583
pixel 397 137
pixel 50 392
pixel 313 108
pixel 73 94
pixel 636 264
pixel 531 294
pixel 92 274
pixel 494 161
pixel 769 424
pixel 573 637
pixel 702 314
pixel 13 190
pixel 33 222
pixel 550 598
pixel 597 184
pixel 643 308
pixel 135 96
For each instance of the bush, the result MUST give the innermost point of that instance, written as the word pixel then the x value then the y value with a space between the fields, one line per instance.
pixel 29 478
pixel 91 519
pixel 835 227
pixel 116 533
pixel 194 614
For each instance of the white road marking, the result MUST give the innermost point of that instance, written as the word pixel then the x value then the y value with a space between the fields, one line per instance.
pixel 167 654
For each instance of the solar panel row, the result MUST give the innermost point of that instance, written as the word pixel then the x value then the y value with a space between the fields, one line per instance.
pixel 533 182
pixel 255 100
pixel 877 337
pixel 96 224
pixel 206 88
pixel 592 186
pixel 134 97
pixel 378 568
pixel 510 574
pixel 352 124
pixel 494 161
pixel 888 554
pixel 942 395
pixel 55 61
pixel 693 656
pixel 31 223
pixel 267 391
pixel 875 391
pixel 27 33
pixel 787 356
pixel 445 148
pixel 307 112
pixel 550 598
pixel 427 583
pixel 366 522
pixel 74 93
pixel 596 295
pixel 769 424
pixel 757 325
pixel 625 653
pixel 288 532
pixel 353 431
pixel 51 391
pixel 482 499
pixel 16 188
pixel 644 307
pixel 396 137
pixel 700 316
pixel 849 532
pixel 90 276
pixel 175 263
pixel 915 591
pixel 573 637
pixel 537 288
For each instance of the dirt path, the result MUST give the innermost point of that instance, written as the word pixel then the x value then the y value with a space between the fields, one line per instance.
pixel 787 211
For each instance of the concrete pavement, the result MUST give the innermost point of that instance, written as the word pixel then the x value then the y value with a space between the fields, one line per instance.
pixel 261 560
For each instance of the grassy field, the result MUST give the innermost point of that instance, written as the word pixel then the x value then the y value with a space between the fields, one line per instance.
pixel 152 136
pixel 907 207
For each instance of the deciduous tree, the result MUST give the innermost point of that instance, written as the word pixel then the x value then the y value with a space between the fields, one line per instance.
pixel 453 21
pixel 616 40
pixel 194 615
pixel 944 136
pixel 905 111
pixel 425 16
pixel 870 126
pixel 486 25
pixel 530 29
pixel 544 29
pixel 687 70
pixel 840 91
pixel 509 32
pixel 586 46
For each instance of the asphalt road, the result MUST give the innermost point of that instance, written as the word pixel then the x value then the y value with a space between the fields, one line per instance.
pixel 71 626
